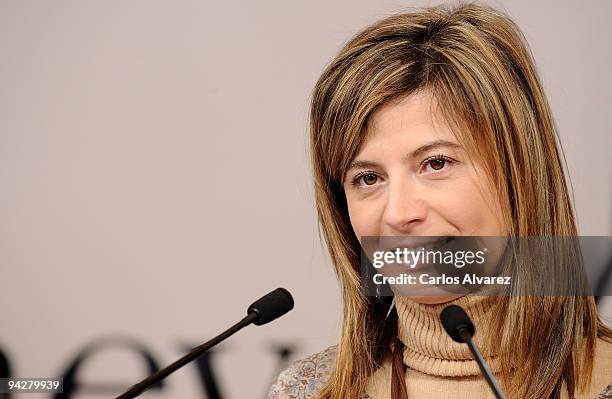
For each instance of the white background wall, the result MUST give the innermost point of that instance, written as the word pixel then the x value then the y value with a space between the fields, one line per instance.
pixel 154 175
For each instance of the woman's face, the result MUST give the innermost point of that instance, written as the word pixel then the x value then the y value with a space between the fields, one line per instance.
pixel 411 177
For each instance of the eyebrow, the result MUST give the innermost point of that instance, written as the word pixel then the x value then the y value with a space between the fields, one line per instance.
pixel 419 151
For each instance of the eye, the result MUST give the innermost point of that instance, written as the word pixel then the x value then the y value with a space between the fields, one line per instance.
pixel 367 178
pixel 436 163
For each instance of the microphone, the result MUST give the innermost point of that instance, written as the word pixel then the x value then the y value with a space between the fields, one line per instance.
pixel 264 310
pixel 461 329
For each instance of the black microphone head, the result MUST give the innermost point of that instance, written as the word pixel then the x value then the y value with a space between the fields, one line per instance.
pixel 271 306
pixel 454 319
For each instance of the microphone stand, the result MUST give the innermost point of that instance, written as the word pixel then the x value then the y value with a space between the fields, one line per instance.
pixel 145 384
pixel 484 368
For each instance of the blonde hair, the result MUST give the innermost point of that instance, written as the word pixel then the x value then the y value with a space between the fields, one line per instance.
pixel 476 63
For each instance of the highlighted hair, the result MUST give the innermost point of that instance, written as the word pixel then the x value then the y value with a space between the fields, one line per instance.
pixel 477 65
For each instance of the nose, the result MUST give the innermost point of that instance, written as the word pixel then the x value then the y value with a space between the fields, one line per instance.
pixel 405 208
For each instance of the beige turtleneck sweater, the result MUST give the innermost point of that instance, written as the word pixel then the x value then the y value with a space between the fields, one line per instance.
pixel 438 367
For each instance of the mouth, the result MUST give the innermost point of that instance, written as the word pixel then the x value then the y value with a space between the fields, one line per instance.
pixel 411 254
pixel 414 244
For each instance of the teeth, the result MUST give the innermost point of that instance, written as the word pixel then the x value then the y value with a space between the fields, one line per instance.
pixel 429 247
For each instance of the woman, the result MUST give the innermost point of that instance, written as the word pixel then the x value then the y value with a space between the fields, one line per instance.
pixel 434 123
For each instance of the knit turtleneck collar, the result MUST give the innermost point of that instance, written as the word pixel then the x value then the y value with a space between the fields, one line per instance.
pixel 429 349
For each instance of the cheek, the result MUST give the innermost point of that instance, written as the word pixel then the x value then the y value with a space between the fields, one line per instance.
pixel 472 209
pixel 365 219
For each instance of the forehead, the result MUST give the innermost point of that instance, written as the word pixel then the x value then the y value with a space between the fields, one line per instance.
pixel 411 119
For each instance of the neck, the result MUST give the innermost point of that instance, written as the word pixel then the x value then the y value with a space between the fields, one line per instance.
pixel 429 349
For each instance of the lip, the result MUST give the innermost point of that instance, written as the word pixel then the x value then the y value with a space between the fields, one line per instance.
pixel 420 243
pixel 428 244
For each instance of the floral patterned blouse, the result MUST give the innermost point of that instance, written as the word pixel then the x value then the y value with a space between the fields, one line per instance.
pixel 306 377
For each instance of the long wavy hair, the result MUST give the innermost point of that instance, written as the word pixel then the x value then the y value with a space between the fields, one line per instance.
pixel 477 64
